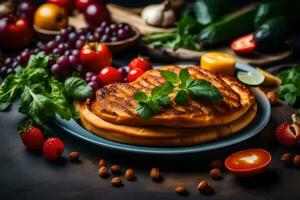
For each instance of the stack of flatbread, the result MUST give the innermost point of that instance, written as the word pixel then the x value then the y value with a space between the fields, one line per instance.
pixel 112 114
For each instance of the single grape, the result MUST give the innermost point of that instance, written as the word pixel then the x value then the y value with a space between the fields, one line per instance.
pixel 108 31
pixel 59 39
pixel 57 51
pixel 100 30
pixel 105 38
pixel 63 61
pixel 64 33
pixel 79 68
pixel 71 29
pixel 25 55
pixel 61 46
pixel 9 70
pixel 95 79
pixel 113 39
pixel 113 27
pixel 76 52
pixel 123 71
pixel 82 37
pixel 94 85
pixel 72 37
pixel 122 34
pixel 56 69
pixel 8 61
pixel 79 44
pixel 90 38
pixel 67 46
pixel 68 52
pixel 74 61
pixel 52 45
pixel 40 45
pixel 3 70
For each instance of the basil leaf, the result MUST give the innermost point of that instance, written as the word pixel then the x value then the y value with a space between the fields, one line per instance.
pixel 170 76
pixel 154 106
pixel 163 90
pixel 164 101
pixel 203 89
pixel 184 77
pixel 140 96
pixel 40 60
pixel 63 107
pixel 144 111
pixel 9 90
pixel 290 98
pixel 77 88
pixel 181 97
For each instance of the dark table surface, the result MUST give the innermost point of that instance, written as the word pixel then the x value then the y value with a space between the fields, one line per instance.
pixel 27 175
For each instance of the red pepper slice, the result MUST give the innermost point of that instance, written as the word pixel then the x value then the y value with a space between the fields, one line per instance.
pixel 244 44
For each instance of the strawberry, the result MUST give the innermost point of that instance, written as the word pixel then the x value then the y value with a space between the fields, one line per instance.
pixel 140 62
pixel 53 148
pixel 32 138
pixel 287 134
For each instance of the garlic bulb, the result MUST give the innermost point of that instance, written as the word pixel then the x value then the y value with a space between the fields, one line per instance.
pixel 161 15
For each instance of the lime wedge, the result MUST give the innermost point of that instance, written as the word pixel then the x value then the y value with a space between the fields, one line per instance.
pixel 251 78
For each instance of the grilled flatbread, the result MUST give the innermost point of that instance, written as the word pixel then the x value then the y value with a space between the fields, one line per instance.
pixel 114 103
pixel 160 136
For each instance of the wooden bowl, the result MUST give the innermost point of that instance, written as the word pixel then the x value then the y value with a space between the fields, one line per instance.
pixel 44 34
pixel 115 47
pixel 118 46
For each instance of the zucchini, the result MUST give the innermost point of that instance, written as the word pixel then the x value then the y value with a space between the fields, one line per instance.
pixel 228 28
pixel 269 10
pixel 272 34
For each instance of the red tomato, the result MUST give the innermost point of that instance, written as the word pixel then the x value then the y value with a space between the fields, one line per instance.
pixel 53 148
pixel 248 162
pixel 134 74
pixel 68 5
pixel 109 75
pixel 141 63
pixel 94 56
pixel 81 5
pixel 244 45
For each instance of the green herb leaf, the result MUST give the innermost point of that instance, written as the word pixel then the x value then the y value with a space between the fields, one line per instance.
pixel 202 89
pixel 164 101
pixel 141 97
pixel 184 77
pixel 297 113
pixel 77 88
pixel 162 90
pixel 170 76
pixel 181 97
pixel 9 90
pixel 144 111
pixel 40 60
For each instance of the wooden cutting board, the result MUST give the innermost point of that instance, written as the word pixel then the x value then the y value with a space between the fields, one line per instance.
pixel 132 17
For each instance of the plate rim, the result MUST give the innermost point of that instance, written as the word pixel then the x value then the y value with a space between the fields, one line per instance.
pixel 262 102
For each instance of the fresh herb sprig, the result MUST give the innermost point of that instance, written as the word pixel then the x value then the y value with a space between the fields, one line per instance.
pixel 42 96
pixel 183 85
pixel 152 104
pixel 197 89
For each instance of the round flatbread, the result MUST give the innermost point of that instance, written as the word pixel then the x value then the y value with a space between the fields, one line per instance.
pixel 160 136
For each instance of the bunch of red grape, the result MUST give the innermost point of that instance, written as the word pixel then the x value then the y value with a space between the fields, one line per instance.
pixel 64 50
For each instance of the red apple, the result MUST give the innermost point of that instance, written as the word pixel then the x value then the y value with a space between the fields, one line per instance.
pixel 96 13
pixel 15 32
pixel 68 5
pixel 287 134
pixel 81 5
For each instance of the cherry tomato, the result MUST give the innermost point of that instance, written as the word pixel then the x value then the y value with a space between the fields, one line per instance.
pixel 248 162
pixel 244 44
pixel 140 62
pixel 109 75
pixel 134 74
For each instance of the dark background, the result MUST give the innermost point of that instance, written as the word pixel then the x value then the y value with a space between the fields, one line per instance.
pixel 27 175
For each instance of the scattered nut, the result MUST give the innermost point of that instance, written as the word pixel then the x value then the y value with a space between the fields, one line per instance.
pixel 74 156
pixel 296 161
pixel 286 159
pixel 216 164
pixel 129 174
pixel 181 190
pixel 204 188
pixel 116 182
pixel 155 174
pixel 102 163
pixel 215 173
pixel 272 98
pixel 103 171
pixel 115 169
